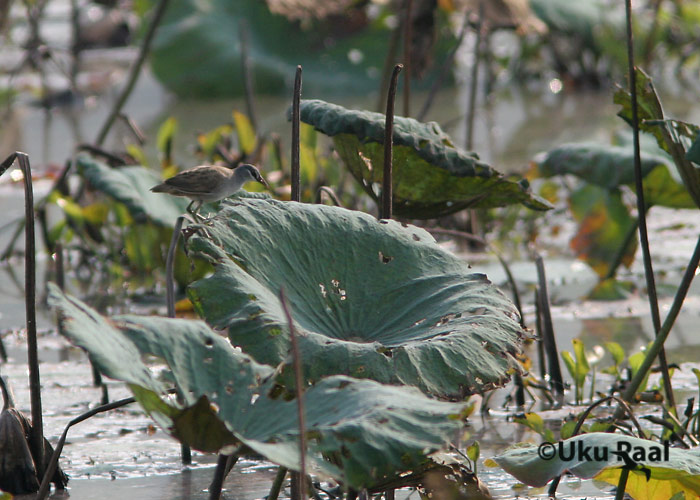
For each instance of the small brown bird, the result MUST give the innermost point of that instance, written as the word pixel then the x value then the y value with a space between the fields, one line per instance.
pixel 209 183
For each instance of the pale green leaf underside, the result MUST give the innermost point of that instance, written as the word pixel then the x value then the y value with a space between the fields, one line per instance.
pixel 370 299
pixel 431 177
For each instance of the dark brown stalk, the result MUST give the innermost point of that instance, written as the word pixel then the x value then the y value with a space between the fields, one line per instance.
pixel 471 107
pixel 407 39
pixel 540 340
pixel 296 169
pixel 641 211
pixel 53 464
pixel 550 343
pixel 75 44
pixel 134 73
pixel 446 66
pixel 299 388
pixel 277 483
pixel 37 432
pixel 170 266
pixel 185 452
pixel 60 270
pixel 247 74
pixel 387 188
pixel 622 484
pixel 224 464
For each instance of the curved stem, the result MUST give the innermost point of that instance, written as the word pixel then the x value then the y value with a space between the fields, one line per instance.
pixel 387 193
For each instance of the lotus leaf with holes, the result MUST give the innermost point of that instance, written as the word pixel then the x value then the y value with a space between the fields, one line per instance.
pixel 370 299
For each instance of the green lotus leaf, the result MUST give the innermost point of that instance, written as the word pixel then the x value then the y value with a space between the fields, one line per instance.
pixel 358 431
pixel 667 475
pixel 613 166
pixel 132 187
pixel 370 299
pixel 431 177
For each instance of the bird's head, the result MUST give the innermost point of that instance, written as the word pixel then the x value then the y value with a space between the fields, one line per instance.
pixel 249 172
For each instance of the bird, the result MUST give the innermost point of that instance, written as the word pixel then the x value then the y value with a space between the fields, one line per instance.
pixel 209 183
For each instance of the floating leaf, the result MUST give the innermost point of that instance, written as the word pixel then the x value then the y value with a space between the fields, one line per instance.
pixel 131 186
pixel 358 431
pixel 431 176
pixel 680 471
pixel 388 303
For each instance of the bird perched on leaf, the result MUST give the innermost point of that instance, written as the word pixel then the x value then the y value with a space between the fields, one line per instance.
pixel 209 183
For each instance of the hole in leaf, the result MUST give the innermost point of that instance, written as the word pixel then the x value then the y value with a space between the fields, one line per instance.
pixel 323 289
pixel 416 237
pixel 209 342
pixel 229 388
pixel 385 259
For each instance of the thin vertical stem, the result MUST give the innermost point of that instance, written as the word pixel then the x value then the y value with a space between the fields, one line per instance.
pixel 298 382
pixel 185 451
pixel 387 187
pixel 622 484
pixel 60 270
pixel 277 483
pixel 37 435
pixel 247 74
pixel 641 211
pixel 550 343
pixel 471 111
pixel 134 73
pixel 223 464
pixel 407 39
pixel 296 179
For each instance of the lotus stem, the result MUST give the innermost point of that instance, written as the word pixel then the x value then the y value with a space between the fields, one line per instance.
pixel 387 186
pixel 224 464
pixel 277 483
pixel 296 182
pixel 53 463
pixel 299 388
pixel 37 431
pixel 641 211
pixel 550 343
pixel 622 484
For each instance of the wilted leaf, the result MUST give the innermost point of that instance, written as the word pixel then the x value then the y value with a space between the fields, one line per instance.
pixel 604 223
pixel 370 299
pixel 358 431
pixel 431 177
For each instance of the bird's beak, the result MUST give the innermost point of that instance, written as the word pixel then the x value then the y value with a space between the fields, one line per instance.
pixel 264 183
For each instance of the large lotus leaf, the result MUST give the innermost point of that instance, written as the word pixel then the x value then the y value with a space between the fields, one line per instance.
pixel 370 299
pixel 132 187
pixel 431 177
pixel 359 431
pixel 613 166
pixel 338 55
pixel 681 472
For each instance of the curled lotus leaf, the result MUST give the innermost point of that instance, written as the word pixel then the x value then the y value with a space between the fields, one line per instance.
pixel 369 299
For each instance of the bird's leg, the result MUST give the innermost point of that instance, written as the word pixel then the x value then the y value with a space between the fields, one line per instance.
pixel 194 211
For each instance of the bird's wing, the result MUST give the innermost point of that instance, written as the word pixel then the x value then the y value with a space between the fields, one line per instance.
pixel 198 180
